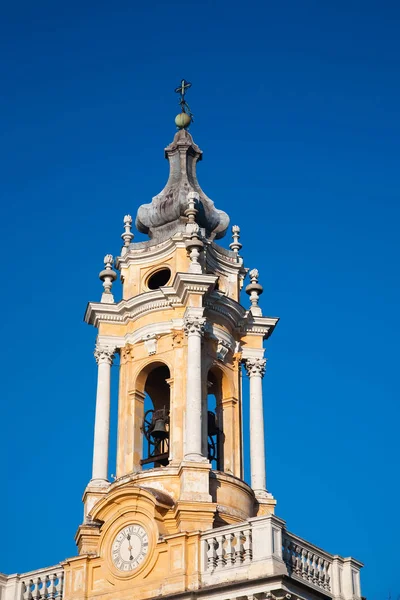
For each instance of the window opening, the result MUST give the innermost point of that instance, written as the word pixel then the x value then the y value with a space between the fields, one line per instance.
pixel 158 279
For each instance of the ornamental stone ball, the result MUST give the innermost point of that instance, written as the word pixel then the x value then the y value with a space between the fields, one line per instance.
pixel 183 120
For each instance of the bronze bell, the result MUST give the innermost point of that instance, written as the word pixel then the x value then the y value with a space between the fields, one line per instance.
pixel 159 431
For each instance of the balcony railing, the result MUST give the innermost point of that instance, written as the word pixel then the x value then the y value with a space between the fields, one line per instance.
pixel 42 584
pixel 262 546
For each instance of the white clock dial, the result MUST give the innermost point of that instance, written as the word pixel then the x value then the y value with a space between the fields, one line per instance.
pixel 130 547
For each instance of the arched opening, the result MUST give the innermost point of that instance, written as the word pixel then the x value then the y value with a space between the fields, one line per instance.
pixel 156 421
pixel 215 419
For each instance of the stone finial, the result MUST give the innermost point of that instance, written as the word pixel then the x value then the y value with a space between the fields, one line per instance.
pixel 194 245
pixel 235 246
pixel 107 276
pixel 127 236
pixel 254 290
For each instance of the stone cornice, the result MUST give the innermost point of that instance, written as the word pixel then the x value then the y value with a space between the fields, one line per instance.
pixel 232 310
pixel 129 310
pixel 143 252
pixel 177 295
pixel 164 298
pixel 221 260
pixel 258 325
pixel 185 284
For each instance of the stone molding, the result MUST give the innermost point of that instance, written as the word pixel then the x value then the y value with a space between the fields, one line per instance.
pixel 104 354
pixel 126 354
pixel 141 252
pixel 255 367
pixel 176 296
pixel 222 350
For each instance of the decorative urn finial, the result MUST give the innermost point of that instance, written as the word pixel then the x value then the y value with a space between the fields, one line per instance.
pixel 235 246
pixel 107 276
pixel 127 236
pixel 194 245
pixel 254 290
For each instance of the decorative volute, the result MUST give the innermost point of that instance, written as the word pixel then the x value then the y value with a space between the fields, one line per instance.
pixel 165 215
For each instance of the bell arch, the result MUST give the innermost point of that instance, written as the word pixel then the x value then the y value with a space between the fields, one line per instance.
pixel 156 418
pixel 223 424
pixel 142 389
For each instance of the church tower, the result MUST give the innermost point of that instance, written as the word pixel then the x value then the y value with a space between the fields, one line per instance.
pixel 182 337
pixel 178 519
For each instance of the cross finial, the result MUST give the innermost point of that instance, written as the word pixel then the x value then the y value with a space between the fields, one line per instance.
pixel 185 85
pixel 184 119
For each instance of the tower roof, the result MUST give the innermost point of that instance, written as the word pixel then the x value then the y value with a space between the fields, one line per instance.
pixel 165 215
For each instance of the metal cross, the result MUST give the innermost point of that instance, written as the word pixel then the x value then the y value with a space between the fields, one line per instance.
pixel 185 85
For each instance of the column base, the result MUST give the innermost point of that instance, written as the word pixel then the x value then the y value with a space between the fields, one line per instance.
pixel 264 503
pixel 197 458
pixel 95 490
pixel 98 483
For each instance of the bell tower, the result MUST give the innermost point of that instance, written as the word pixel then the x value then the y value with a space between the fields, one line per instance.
pixel 184 341
pixel 177 520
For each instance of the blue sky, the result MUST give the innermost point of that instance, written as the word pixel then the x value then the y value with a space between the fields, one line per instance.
pixel 297 111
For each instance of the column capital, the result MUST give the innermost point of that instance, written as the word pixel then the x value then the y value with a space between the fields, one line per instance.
pixel 255 366
pixel 104 354
pixel 193 324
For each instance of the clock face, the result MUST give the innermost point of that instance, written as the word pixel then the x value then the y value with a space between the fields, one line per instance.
pixel 130 547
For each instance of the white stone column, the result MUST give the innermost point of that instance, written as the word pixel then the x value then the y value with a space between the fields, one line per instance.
pixel 104 356
pixel 255 369
pixel 194 329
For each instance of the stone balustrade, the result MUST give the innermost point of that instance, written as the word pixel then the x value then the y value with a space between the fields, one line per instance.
pixel 262 547
pixel 307 562
pixel 42 584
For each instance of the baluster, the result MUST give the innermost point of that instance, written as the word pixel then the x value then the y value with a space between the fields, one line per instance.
pixel 30 588
pixel 310 573
pixel 37 592
pixel 60 585
pixel 247 545
pixel 52 586
pixel 25 591
pixel 293 556
pixel 316 570
pixel 220 551
pixel 304 563
pixel 312 566
pixel 45 588
pixel 322 576
pixel 229 550
pixel 211 554
pixel 327 576
pixel 239 550
pixel 298 560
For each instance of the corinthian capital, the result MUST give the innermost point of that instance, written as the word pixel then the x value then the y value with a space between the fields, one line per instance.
pixel 255 366
pixel 104 354
pixel 193 324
